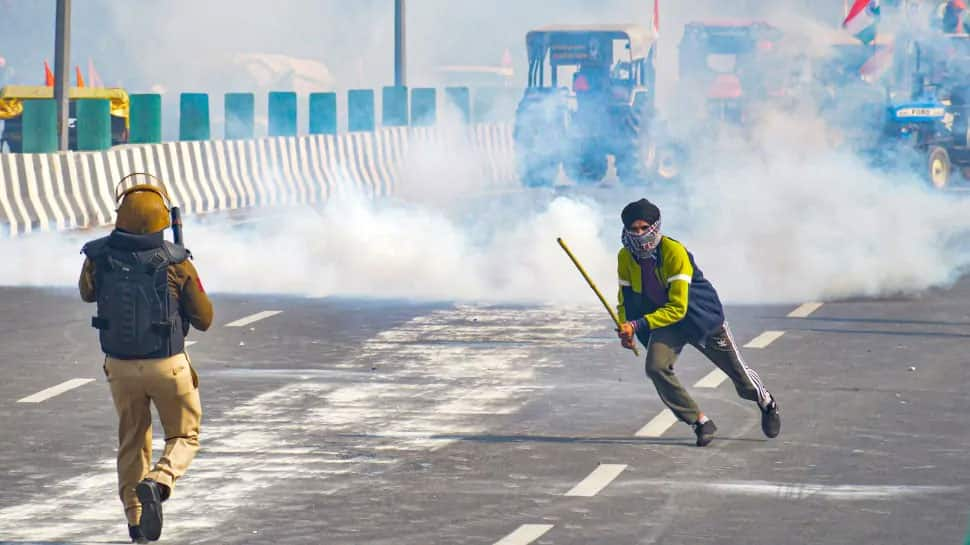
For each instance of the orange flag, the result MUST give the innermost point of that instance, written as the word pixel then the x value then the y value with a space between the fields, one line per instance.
pixel 80 78
pixel 48 75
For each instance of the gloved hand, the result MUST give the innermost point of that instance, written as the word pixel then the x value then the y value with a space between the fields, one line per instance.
pixel 626 332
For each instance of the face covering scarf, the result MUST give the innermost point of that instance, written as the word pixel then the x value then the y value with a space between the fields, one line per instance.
pixel 642 245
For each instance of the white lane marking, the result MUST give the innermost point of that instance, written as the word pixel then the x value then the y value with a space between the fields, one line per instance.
pixel 602 476
pixel 805 310
pixel 244 321
pixel 440 392
pixel 799 491
pixel 712 379
pixel 764 339
pixel 525 534
pixel 55 390
pixel 190 343
pixel 658 424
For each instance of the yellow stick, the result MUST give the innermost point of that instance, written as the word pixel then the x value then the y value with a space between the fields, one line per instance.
pixel 582 271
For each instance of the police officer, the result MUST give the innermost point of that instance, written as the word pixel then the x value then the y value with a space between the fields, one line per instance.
pixel 148 294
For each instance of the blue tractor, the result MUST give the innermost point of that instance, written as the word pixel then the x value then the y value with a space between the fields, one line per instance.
pixel 930 117
pixel 916 116
pixel 590 95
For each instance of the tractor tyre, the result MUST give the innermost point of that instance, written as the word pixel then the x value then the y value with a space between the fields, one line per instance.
pixel 669 163
pixel 939 168
pixel 588 168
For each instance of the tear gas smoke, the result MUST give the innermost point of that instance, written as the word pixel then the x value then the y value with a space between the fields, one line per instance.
pixel 773 213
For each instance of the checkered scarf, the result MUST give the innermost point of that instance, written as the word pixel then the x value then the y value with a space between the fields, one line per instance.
pixel 642 246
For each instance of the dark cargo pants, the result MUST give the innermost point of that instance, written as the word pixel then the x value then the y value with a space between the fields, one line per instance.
pixel 662 351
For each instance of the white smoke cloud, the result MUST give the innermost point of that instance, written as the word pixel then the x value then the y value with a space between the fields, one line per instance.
pixel 773 213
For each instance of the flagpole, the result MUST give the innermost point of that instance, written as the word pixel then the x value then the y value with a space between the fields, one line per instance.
pixel 62 77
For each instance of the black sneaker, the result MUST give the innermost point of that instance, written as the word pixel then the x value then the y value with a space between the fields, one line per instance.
pixel 150 496
pixel 770 420
pixel 705 432
pixel 135 534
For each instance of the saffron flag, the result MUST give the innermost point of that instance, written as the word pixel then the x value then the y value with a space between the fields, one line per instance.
pixel 862 20
pixel 80 78
pixel 48 75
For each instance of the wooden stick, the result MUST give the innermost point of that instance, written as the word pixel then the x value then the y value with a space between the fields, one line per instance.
pixel 582 271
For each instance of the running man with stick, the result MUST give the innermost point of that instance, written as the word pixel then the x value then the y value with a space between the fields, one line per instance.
pixel 666 303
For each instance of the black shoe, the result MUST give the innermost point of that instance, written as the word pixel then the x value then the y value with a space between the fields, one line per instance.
pixel 151 509
pixel 770 420
pixel 135 534
pixel 705 432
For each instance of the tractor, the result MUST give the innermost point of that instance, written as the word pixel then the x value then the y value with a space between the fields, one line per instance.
pixel 728 67
pixel 590 95
pixel 921 98
pixel 930 105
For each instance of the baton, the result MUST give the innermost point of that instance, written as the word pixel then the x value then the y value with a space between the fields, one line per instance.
pixel 582 271
pixel 177 226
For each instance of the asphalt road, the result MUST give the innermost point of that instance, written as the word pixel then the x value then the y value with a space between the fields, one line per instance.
pixel 345 421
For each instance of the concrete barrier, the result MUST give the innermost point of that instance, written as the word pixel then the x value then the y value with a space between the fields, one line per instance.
pixel 194 117
pixel 240 114
pixel 282 114
pixel 146 119
pixel 57 191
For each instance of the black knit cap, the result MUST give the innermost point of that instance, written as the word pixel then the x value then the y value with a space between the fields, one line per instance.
pixel 640 210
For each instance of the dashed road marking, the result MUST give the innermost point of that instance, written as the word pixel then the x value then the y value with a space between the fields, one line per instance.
pixel 712 379
pixel 602 476
pixel 48 393
pixel 764 339
pixel 253 318
pixel 525 534
pixel 804 310
pixel 658 424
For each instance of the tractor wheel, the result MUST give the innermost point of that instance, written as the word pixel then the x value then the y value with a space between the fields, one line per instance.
pixel 661 164
pixel 632 168
pixel 669 163
pixel 587 169
pixel 939 168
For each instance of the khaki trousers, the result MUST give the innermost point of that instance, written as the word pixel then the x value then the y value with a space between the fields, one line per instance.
pixel 662 351
pixel 172 385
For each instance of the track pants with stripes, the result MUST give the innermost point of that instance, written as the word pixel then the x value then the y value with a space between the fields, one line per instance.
pixel 662 351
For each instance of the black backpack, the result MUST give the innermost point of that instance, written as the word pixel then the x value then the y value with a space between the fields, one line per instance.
pixel 137 317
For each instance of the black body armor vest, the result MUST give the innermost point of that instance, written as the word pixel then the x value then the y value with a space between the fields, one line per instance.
pixel 138 317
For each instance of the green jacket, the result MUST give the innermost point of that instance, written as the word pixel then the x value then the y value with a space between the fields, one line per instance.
pixel 692 303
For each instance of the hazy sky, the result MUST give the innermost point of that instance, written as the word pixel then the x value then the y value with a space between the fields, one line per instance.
pixel 219 46
pixel 190 44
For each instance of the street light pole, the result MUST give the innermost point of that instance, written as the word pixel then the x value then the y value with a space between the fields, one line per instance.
pixel 400 40
pixel 62 56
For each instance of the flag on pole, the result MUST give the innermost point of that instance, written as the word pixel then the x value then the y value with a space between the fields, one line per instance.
pixel 862 19
pixel 80 78
pixel 650 75
pixel 877 65
pixel 48 75
pixel 93 78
